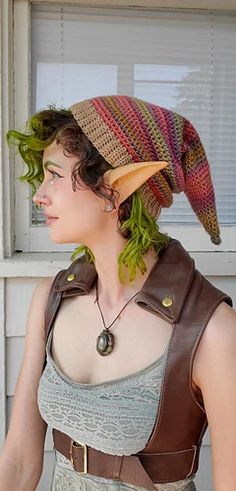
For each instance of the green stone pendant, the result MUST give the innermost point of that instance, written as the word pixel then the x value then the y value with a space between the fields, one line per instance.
pixel 105 343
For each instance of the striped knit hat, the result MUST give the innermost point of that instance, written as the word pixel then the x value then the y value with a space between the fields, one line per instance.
pixel 126 129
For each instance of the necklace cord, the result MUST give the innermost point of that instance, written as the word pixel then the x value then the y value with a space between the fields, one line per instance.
pixel 100 310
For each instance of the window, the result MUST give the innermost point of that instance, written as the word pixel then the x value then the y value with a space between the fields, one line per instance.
pixel 181 60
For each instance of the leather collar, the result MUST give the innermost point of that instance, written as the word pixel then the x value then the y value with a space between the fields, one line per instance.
pixel 168 282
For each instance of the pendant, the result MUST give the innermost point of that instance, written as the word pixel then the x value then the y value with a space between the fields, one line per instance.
pixel 105 343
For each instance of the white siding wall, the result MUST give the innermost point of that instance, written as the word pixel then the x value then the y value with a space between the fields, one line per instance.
pixel 18 294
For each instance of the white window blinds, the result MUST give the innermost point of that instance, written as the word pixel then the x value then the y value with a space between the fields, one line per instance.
pixel 185 61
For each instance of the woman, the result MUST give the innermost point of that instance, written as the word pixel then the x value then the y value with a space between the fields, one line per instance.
pixel 112 384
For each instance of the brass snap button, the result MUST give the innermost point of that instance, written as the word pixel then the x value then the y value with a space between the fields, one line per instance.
pixel 70 277
pixel 167 302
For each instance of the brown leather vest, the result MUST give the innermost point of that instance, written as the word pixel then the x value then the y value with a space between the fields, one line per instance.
pixel 172 452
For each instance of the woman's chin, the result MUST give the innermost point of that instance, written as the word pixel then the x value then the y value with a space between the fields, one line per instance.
pixel 65 235
pixel 59 238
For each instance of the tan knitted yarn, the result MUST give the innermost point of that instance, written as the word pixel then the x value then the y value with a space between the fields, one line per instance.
pixel 126 129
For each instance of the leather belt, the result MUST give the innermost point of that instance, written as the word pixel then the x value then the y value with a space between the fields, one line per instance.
pixel 87 460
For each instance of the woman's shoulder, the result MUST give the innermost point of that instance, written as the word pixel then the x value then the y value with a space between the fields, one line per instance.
pixel 43 287
pixel 40 294
pixel 216 350
pixel 220 331
pixel 37 306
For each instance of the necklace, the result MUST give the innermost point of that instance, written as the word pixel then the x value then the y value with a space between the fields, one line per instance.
pixel 105 340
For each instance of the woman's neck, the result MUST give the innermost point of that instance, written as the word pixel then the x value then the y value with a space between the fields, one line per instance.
pixel 110 289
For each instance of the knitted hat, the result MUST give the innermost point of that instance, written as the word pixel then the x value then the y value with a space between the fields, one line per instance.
pixel 127 130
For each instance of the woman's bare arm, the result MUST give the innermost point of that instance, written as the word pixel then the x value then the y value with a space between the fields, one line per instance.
pixel 21 458
pixel 215 374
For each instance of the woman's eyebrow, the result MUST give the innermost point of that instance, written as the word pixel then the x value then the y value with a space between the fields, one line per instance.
pixel 49 162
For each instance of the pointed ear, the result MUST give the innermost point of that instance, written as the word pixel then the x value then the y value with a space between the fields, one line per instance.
pixel 128 178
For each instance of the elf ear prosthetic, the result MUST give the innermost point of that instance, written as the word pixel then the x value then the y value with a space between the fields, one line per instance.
pixel 130 177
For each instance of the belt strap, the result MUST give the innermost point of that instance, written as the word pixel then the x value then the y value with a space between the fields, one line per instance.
pixel 143 469
pixel 87 460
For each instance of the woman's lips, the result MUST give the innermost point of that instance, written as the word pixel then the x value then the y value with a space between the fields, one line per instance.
pixel 50 220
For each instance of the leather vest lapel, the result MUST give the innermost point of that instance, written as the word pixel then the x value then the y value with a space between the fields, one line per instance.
pixel 168 283
pixel 84 276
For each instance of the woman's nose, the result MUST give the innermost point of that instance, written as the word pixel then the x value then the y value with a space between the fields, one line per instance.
pixel 40 199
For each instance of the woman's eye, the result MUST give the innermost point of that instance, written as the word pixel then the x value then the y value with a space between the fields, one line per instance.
pixel 54 174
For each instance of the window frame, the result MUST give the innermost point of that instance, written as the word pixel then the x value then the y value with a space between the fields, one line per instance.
pixel 35 238
pixel 193 237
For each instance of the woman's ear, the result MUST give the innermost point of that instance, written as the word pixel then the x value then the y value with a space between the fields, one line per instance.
pixel 128 178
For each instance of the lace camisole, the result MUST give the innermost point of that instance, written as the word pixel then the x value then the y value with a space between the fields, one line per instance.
pixel 116 417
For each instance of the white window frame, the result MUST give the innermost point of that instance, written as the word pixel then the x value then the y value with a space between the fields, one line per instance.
pixel 6 201
pixel 193 237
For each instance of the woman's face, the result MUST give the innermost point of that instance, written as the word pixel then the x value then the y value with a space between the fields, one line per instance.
pixel 73 216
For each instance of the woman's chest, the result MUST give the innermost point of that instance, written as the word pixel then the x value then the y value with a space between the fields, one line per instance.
pixel 140 338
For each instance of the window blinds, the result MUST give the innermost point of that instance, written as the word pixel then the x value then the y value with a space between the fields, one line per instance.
pixel 185 61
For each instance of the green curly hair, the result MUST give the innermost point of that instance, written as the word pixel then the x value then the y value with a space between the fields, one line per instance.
pixel 134 222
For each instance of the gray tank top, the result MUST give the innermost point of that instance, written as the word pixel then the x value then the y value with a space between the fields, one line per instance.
pixel 116 417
